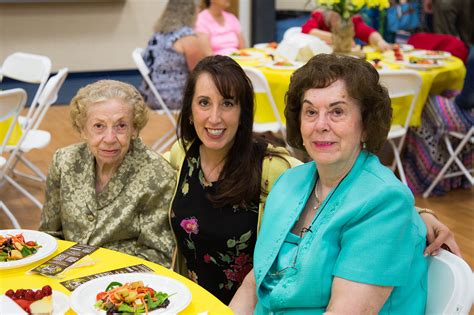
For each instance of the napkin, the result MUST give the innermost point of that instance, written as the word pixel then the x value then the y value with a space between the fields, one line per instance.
pixel 8 307
pixel 301 47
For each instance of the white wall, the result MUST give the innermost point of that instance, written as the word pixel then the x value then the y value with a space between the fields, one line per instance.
pixel 90 36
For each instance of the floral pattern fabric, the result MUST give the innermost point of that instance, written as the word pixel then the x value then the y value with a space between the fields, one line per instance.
pixel 217 243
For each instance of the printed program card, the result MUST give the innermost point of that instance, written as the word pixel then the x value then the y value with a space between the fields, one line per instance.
pixel 72 284
pixel 62 261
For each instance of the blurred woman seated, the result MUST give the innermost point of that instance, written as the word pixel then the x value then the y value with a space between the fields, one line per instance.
pixel 220 28
pixel 173 51
pixel 110 190
pixel 321 22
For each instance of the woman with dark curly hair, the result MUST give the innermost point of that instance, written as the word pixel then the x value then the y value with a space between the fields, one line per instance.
pixel 340 234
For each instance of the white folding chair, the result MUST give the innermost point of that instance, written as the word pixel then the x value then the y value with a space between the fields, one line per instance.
pixel 400 83
pixel 29 68
pixel 11 103
pixel 169 137
pixel 464 139
pixel 34 137
pixel 450 285
pixel 260 85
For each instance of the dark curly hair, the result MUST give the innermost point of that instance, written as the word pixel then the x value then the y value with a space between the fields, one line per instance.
pixel 362 83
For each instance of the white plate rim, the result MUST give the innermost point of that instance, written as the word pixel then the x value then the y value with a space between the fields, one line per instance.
pixel 79 304
pixel 49 246
pixel 263 46
pixel 296 65
pixel 423 66
pixel 253 55
pixel 406 47
pixel 60 302
pixel 422 54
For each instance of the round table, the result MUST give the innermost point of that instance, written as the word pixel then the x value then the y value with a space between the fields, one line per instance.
pixel 106 260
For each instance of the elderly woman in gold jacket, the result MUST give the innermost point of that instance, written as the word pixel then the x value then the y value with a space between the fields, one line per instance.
pixel 110 190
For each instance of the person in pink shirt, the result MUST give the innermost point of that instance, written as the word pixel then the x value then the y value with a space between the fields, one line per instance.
pixel 220 27
pixel 321 22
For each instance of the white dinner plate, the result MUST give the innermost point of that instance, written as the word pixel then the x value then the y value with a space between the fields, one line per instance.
pixel 294 65
pixel 251 55
pixel 406 47
pixel 431 54
pixel 265 47
pixel 84 297
pixel 47 242
pixel 60 305
pixel 423 65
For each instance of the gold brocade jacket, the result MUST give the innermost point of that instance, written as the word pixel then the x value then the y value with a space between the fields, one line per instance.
pixel 130 215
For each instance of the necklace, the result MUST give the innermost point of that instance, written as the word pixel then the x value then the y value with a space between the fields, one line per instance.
pixel 317 202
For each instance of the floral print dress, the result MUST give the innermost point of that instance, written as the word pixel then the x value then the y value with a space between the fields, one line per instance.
pixel 217 243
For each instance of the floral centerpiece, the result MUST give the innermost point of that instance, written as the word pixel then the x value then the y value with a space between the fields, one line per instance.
pixel 343 31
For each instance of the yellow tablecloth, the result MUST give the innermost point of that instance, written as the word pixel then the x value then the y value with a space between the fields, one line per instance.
pixel 450 76
pixel 108 260
pixel 16 133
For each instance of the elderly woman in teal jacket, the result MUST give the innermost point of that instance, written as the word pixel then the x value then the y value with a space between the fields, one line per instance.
pixel 340 234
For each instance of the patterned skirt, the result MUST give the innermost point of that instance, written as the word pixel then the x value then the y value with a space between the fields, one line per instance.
pixel 425 152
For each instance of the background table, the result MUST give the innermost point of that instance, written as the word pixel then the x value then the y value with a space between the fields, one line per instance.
pixel 17 278
pixel 449 76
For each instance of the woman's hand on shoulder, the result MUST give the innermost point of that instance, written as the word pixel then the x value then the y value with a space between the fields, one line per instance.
pixel 438 234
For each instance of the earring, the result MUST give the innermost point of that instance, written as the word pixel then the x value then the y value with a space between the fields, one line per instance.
pixel 190 121
pixel 364 146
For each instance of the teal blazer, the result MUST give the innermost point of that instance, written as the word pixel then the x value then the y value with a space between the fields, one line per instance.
pixel 367 231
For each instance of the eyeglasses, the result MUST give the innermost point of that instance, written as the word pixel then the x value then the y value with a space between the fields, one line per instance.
pixel 292 267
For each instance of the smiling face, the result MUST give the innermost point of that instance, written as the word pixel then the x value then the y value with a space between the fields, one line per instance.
pixel 215 118
pixel 108 131
pixel 331 126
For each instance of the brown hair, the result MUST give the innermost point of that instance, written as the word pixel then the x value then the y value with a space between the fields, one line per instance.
pixel 104 90
pixel 240 176
pixel 362 84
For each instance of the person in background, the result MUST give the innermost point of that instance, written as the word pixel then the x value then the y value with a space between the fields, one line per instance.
pixel 221 28
pixel 224 176
pixel 110 190
pixel 340 234
pixel 454 17
pixel 322 21
pixel 173 51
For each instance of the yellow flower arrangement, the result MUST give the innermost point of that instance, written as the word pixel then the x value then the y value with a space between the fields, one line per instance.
pixel 347 8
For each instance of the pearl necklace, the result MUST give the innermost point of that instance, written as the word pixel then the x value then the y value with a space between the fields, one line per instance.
pixel 317 202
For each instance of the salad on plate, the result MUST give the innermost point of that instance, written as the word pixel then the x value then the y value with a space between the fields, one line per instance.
pixel 132 297
pixel 15 247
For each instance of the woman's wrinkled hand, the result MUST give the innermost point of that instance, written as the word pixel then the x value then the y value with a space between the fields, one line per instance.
pixel 438 236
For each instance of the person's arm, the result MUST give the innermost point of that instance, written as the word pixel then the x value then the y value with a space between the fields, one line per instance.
pixel 437 234
pixel 323 35
pixel 241 41
pixel 376 40
pixel 205 43
pixel 156 242
pixel 193 50
pixel 349 297
pixel 50 215
pixel 245 298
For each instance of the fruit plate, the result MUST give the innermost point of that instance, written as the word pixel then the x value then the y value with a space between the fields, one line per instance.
pixel 430 54
pixel 47 242
pixel 60 304
pixel 84 297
